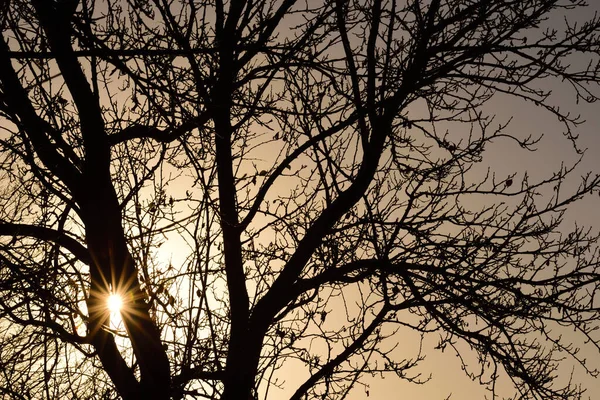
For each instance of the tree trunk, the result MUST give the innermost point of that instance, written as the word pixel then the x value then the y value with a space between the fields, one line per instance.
pixel 112 268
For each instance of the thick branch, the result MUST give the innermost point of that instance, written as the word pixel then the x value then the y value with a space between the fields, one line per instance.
pixel 49 235
pixel 112 53
pixel 329 367
pixel 35 128
pixel 137 131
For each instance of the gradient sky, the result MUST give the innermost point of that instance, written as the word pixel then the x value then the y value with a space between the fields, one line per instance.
pixel 507 158
pixel 504 158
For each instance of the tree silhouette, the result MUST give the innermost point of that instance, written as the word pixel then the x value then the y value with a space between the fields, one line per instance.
pixel 285 186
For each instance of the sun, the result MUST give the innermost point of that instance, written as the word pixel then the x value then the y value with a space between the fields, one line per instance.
pixel 114 303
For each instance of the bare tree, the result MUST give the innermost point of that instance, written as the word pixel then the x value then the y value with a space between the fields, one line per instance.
pixel 277 185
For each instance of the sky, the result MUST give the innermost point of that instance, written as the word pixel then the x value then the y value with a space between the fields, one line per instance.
pixel 447 378
pixel 505 159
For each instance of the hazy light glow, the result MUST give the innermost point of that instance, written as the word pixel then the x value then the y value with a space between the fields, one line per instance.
pixel 114 302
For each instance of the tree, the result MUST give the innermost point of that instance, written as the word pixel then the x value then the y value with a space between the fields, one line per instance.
pixel 315 170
